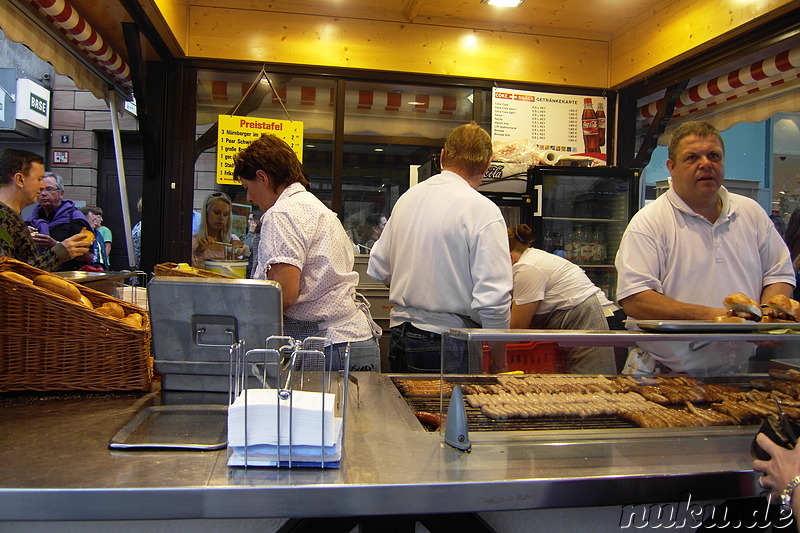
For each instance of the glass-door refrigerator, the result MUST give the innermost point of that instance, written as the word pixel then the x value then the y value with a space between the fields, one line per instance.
pixel 581 215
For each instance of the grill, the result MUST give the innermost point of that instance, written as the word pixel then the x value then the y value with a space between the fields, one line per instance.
pixel 477 421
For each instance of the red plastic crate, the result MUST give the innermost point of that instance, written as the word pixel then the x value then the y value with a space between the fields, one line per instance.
pixel 531 357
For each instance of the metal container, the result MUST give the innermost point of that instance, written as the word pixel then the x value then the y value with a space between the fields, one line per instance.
pixel 196 320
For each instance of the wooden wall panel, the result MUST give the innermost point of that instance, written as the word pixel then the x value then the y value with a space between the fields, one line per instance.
pixel 679 29
pixel 221 33
pixel 174 15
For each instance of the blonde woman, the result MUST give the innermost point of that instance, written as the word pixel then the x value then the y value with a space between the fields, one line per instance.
pixel 216 221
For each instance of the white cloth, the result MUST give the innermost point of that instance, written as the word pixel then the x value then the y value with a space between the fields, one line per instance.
pixel 300 230
pixel 558 284
pixel 670 249
pixel 444 253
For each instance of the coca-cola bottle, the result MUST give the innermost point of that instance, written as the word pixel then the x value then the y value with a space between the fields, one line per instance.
pixel 601 123
pixel 591 136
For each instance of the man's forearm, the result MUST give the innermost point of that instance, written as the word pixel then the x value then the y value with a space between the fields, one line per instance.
pixel 650 305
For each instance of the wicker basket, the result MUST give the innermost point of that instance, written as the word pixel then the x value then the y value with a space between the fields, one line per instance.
pixel 49 343
pixel 170 269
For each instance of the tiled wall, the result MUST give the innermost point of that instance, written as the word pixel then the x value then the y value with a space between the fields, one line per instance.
pixel 79 115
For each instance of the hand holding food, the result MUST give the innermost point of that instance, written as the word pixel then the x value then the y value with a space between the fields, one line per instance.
pixel 78 244
pixel 204 243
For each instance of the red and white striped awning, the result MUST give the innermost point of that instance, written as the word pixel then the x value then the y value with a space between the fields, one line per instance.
pixel 765 74
pixel 74 27
pixel 227 93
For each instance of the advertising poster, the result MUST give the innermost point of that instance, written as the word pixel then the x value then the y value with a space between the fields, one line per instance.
pixel 236 133
pixel 570 125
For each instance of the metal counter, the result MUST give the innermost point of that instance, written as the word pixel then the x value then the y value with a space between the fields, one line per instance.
pixel 57 466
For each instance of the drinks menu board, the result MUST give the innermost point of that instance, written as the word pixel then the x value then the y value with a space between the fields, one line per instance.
pixel 565 123
pixel 236 134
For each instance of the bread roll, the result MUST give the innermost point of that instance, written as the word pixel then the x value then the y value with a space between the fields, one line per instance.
pixel 58 286
pixel 112 309
pixel 728 318
pixel 87 235
pixel 742 306
pixel 133 320
pixel 17 277
pixel 784 308
pixel 85 301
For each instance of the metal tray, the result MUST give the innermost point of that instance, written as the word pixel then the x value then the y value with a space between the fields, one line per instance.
pixel 180 427
pixel 708 326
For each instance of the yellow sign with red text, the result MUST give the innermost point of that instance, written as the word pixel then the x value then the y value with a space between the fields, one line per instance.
pixel 237 133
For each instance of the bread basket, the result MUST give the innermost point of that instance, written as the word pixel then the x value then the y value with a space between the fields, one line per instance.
pixel 49 343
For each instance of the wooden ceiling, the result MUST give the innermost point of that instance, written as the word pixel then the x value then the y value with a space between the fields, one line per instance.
pixel 600 43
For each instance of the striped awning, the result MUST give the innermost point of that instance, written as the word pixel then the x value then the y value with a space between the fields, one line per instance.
pixel 751 93
pixel 77 51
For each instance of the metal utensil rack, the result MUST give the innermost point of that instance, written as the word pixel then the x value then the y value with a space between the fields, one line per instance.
pixel 287 370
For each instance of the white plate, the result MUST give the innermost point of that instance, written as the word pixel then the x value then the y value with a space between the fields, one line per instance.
pixel 709 326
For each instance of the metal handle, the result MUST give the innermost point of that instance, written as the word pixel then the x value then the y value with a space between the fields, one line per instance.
pixel 538 189
pixel 201 331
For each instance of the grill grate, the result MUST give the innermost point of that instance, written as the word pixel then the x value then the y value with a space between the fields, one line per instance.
pixel 477 421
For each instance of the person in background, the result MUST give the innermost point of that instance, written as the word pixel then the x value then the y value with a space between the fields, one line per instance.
pixel 304 247
pixel 372 229
pixel 444 256
pixel 21 182
pixel 553 293
pixel 108 237
pixel 253 238
pixel 99 249
pixel 792 238
pixel 682 254
pixel 136 236
pixel 215 231
pixel 56 219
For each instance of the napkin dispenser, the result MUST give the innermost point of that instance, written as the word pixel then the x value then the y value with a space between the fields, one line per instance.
pixel 196 320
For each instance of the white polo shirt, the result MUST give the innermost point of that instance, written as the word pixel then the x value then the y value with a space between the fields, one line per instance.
pixel 670 249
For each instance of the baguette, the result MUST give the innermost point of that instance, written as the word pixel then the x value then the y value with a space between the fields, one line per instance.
pixel 17 277
pixel 741 305
pixel 58 286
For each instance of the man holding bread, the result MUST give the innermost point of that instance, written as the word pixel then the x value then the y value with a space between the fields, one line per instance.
pixel 56 219
pixel 21 181
pixel 684 253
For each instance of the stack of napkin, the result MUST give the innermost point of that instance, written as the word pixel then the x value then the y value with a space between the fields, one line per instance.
pixel 315 432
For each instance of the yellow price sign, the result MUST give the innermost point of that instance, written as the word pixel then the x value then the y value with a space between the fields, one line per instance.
pixel 237 133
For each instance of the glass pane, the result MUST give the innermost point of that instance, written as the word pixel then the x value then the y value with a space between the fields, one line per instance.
pixel 308 100
pixel 390 129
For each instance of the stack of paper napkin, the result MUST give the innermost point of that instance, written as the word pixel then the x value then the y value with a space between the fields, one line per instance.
pixel 314 429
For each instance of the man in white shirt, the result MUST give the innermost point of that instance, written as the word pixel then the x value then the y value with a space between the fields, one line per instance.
pixel 697 243
pixel 444 255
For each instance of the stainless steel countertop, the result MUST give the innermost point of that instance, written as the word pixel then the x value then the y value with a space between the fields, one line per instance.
pixel 57 466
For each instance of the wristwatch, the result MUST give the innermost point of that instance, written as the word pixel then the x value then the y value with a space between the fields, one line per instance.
pixel 786 495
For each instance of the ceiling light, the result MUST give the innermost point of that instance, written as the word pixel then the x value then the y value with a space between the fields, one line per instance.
pixel 503 3
pixel 379 149
pixel 416 103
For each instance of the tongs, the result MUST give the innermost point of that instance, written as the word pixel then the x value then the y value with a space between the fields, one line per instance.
pixel 785 423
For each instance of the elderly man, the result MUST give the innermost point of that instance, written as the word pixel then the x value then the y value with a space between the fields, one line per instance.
pixel 682 254
pixel 444 255
pixel 56 219
pixel 21 181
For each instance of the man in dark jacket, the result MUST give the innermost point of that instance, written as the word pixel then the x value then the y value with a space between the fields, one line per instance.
pixel 57 219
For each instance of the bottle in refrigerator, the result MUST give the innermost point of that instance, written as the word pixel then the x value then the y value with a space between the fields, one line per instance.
pixel 601 123
pixel 599 240
pixel 591 135
pixel 569 250
pixel 587 247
